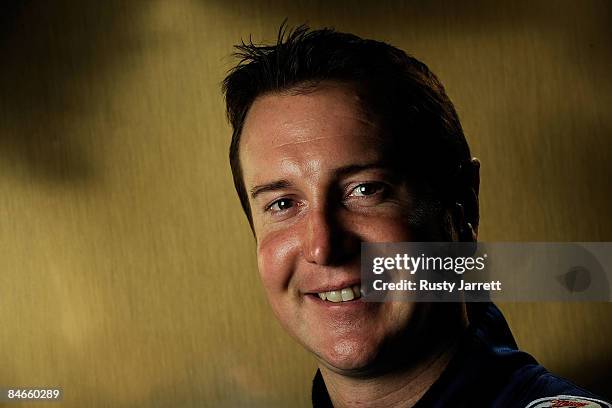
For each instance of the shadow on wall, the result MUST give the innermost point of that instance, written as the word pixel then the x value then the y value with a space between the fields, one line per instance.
pixel 404 18
pixel 56 57
pixel 596 375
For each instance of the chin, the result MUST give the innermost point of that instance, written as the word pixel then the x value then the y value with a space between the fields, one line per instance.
pixel 349 355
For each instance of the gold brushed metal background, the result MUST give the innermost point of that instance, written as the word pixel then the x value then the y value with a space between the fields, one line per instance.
pixel 127 271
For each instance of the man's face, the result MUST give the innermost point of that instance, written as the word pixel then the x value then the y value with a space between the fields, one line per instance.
pixel 318 186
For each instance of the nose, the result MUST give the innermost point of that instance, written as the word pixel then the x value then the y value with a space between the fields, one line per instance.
pixel 324 240
pixel 318 237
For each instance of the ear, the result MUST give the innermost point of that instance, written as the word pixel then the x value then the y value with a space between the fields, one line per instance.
pixel 467 214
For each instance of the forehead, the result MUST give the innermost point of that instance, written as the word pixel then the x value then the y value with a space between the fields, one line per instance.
pixel 323 127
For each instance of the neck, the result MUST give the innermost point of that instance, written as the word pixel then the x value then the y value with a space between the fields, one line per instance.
pixel 398 386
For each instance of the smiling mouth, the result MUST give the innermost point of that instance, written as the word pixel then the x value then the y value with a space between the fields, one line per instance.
pixel 341 295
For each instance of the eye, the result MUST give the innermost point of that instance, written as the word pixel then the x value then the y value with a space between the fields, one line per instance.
pixel 367 189
pixel 281 205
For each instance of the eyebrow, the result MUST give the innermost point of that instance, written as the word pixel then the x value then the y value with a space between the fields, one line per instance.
pixel 273 186
pixel 339 172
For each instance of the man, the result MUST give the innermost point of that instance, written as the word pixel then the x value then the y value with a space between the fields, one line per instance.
pixel 339 140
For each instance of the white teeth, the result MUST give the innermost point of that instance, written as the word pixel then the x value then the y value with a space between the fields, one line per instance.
pixel 334 296
pixel 343 295
pixel 347 294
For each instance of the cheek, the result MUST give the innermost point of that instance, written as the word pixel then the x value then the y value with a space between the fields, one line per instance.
pixel 382 229
pixel 277 254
